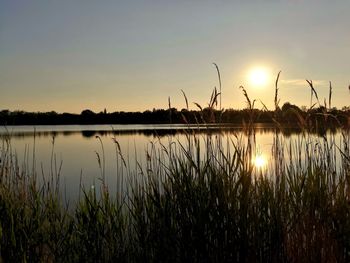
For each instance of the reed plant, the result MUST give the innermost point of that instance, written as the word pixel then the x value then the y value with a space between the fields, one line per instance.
pixel 198 200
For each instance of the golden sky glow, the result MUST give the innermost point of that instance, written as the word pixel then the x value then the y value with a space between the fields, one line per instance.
pixel 68 56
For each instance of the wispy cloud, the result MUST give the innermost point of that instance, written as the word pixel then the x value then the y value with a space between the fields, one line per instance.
pixel 302 82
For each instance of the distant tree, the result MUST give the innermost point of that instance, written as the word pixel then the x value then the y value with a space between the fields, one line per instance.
pixel 5 112
pixel 288 106
pixel 87 113
pixel 291 113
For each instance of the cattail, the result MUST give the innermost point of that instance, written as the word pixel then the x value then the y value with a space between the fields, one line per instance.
pixel 330 95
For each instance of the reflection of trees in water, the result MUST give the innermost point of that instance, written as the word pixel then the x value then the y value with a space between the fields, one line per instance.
pixel 161 132
pixel 88 134
pixel 93 133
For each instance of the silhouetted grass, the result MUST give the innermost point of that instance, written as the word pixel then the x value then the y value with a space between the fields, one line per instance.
pixel 203 200
pixel 198 202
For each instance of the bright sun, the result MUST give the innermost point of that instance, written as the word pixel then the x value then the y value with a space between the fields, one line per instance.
pixel 259 161
pixel 258 77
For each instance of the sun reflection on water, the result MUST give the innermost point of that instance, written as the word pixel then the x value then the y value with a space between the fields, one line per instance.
pixel 260 161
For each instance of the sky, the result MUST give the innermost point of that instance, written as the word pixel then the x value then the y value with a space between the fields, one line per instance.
pixel 72 55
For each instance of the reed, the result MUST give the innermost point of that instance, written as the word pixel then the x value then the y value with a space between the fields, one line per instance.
pixel 201 200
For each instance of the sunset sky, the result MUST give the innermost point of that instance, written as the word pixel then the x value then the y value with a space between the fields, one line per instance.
pixel 72 55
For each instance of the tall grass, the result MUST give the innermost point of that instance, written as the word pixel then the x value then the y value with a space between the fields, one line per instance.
pixel 202 200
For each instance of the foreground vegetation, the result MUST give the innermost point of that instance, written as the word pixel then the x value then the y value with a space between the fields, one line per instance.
pixel 200 201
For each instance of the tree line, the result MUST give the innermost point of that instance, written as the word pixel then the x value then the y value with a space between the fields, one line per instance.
pixel 288 114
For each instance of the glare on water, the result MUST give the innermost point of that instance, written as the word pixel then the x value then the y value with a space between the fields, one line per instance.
pixel 260 161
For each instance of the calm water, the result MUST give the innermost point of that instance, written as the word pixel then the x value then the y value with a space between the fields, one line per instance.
pixel 73 149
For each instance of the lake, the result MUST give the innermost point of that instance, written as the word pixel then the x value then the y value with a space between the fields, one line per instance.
pixel 77 152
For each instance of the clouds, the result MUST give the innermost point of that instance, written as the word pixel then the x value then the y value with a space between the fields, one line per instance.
pixel 303 82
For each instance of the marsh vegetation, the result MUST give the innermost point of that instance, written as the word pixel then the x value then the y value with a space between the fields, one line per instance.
pixel 201 200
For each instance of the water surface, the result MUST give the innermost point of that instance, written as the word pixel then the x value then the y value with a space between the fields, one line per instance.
pixel 76 153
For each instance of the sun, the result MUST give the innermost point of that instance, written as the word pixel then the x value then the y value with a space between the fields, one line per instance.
pixel 258 76
pixel 260 161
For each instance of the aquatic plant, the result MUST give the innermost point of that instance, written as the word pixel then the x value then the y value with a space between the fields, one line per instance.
pixel 202 200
